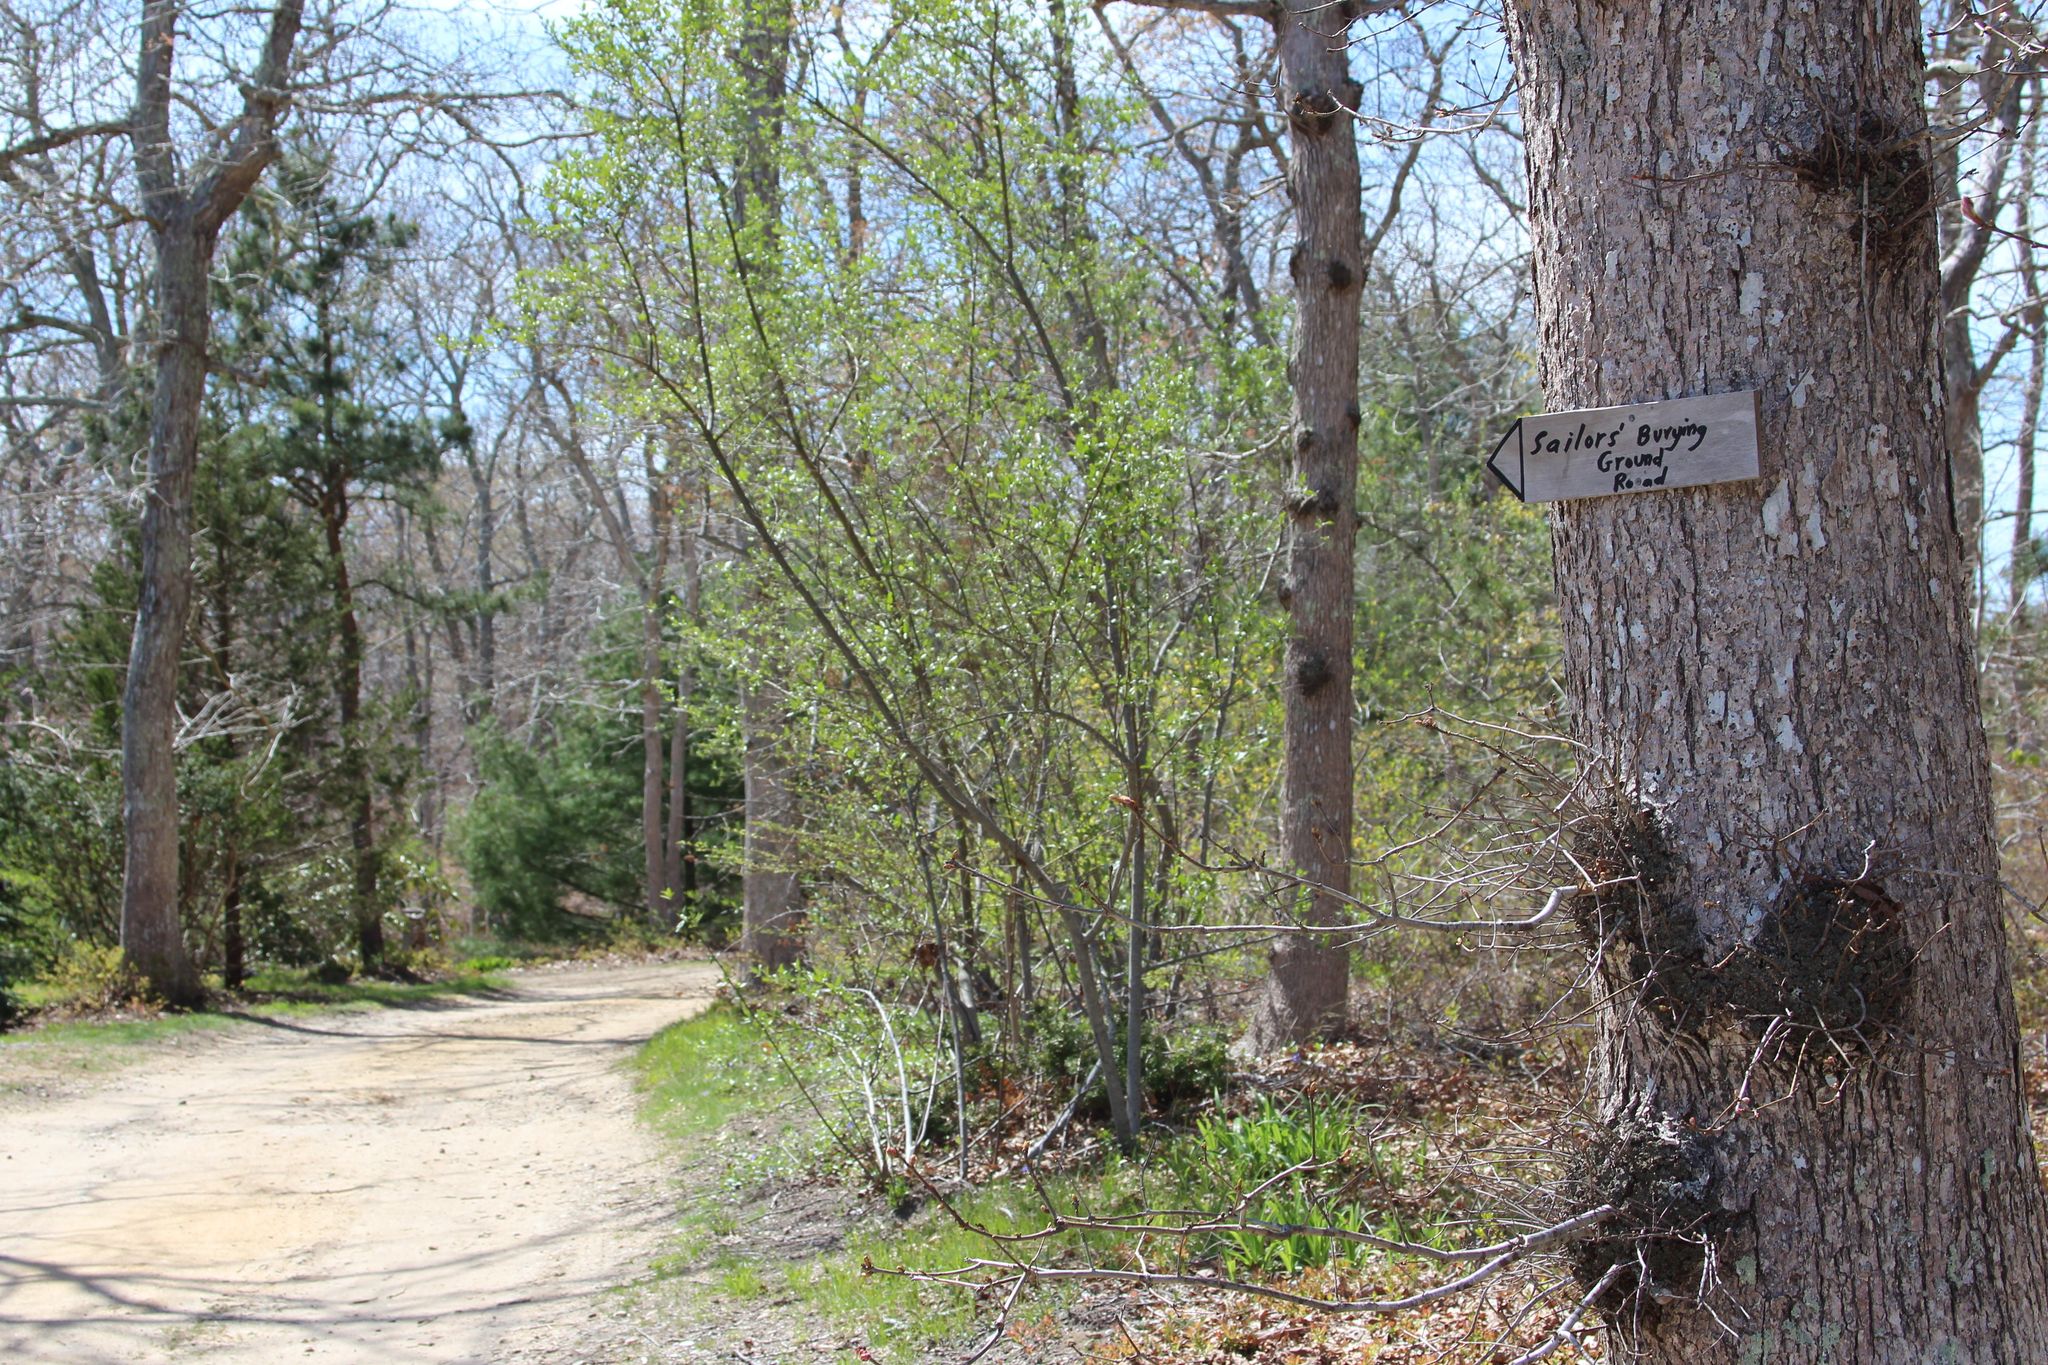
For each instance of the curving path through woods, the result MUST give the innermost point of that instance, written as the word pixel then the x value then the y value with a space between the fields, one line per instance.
pixel 455 1181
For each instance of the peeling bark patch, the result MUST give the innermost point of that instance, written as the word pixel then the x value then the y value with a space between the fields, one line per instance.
pixel 1882 179
pixel 1660 1175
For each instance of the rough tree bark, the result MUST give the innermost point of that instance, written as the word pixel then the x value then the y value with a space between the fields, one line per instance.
pixel 1807 1063
pixel 1307 989
pixel 681 868
pixel 771 915
pixel 354 766
pixel 185 216
pixel 654 609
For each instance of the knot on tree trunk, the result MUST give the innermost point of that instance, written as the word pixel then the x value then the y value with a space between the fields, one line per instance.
pixel 1313 112
pixel 1877 176
pixel 1312 504
pixel 1658 1171
pixel 1829 959
pixel 1312 672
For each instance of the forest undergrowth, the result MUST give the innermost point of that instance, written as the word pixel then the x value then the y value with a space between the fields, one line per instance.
pixel 799 1247
pixel 786 1244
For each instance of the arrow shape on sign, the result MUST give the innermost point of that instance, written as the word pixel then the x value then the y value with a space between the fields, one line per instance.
pixel 1639 448
pixel 1511 474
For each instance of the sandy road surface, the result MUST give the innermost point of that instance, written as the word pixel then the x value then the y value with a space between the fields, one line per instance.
pixel 454 1182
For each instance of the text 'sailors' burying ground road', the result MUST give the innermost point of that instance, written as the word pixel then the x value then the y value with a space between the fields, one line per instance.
pixel 1641 448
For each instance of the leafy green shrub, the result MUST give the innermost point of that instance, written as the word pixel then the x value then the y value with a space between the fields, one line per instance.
pixel 550 841
pixel 15 964
pixel 1295 1164
pixel 88 977
pixel 24 939
pixel 1184 1064
pixel 545 826
pixel 60 862
pixel 414 964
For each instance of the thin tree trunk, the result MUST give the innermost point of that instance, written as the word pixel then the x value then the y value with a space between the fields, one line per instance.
pixel 675 838
pixel 152 939
pixel 967 999
pixel 653 776
pixel 486 687
pixel 1964 435
pixel 1967 238
pixel 1307 989
pixel 355 758
pixel 681 868
pixel 234 970
pixel 2023 567
pixel 1134 980
pixel 1807 1063
pixel 771 923
pixel 2021 571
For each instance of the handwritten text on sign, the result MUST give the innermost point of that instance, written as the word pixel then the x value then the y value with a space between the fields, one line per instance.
pixel 1680 443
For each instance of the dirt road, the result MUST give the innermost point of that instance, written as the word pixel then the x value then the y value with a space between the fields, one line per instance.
pixel 453 1182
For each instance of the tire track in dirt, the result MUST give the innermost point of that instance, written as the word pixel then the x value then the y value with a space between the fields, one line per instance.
pixel 453 1182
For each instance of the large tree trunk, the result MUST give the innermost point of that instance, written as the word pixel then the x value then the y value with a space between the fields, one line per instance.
pixel 186 224
pixel 151 938
pixel 770 915
pixel 771 922
pixel 1807 1065
pixel 1307 990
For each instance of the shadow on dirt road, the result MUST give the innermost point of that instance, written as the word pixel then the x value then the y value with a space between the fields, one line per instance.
pixel 417 1186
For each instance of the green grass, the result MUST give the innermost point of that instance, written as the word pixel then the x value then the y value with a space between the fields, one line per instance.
pixel 712 1086
pixel 717 1093
pixel 114 1033
pixel 741 1280
pixel 903 1317
pixel 705 1072
pixel 290 992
